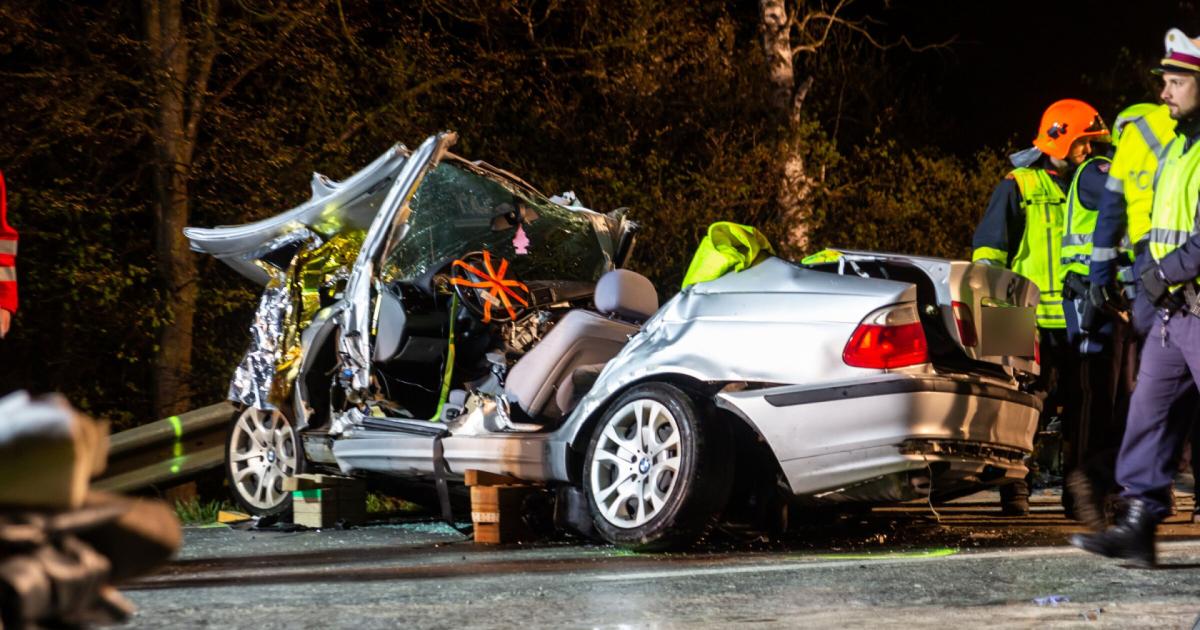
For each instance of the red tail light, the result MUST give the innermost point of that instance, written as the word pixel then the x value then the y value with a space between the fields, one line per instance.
pixel 888 338
pixel 1037 351
pixel 966 324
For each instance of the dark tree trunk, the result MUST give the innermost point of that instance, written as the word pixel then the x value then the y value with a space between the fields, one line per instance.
pixel 795 186
pixel 174 140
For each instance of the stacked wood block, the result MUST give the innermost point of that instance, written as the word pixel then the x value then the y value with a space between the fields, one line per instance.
pixel 320 501
pixel 498 507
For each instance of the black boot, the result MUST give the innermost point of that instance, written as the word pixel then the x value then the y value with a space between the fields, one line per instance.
pixel 1081 496
pixel 1131 538
pixel 1014 499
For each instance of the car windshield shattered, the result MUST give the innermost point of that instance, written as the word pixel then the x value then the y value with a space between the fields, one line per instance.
pixel 458 208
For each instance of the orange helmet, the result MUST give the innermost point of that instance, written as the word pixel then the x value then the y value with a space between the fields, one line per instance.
pixel 1063 123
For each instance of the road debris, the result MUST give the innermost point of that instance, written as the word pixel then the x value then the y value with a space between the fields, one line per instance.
pixel 230 516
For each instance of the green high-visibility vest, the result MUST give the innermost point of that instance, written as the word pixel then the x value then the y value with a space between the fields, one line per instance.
pixel 1077 230
pixel 1040 249
pixel 1154 133
pixel 1176 192
pixel 1143 141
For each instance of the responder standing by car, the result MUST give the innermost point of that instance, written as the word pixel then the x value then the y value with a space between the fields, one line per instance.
pixel 1170 361
pixel 1022 230
pixel 1141 133
pixel 1098 339
pixel 8 265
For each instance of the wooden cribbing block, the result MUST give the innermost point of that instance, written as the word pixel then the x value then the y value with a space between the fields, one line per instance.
pixel 312 482
pixel 498 503
pixel 320 501
pixel 481 478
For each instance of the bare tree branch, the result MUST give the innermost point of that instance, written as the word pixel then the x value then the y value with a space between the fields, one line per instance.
pixel 370 117
pixel 206 54
pixel 346 29
pixel 798 100
pixel 834 17
pixel 266 53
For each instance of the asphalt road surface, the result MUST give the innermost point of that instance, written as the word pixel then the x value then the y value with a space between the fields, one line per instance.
pixel 964 567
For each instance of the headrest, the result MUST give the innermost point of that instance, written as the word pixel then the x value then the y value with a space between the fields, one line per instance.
pixel 626 294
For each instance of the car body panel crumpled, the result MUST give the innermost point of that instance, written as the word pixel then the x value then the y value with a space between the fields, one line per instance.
pixel 333 207
pixel 773 323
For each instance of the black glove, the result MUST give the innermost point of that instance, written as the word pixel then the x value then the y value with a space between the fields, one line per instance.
pixel 1100 304
pixel 1155 284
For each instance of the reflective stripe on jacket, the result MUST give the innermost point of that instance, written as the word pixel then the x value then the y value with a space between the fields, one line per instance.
pixel 1135 164
pixel 1177 190
pixel 1124 215
pixel 1080 223
pixel 8 255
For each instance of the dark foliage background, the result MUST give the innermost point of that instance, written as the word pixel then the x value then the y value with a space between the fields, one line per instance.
pixel 658 106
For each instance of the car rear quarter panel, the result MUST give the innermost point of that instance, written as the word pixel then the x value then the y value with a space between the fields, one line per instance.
pixel 821 445
pixel 774 323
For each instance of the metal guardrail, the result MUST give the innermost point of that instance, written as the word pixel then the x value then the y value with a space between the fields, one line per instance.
pixel 169 450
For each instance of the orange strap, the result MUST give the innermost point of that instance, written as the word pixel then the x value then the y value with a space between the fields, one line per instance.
pixel 496 284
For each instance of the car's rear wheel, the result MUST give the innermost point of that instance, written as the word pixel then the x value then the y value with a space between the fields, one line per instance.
pixel 658 470
pixel 261 451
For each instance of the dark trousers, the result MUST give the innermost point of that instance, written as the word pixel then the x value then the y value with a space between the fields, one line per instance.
pixel 1161 412
pixel 1060 379
pixel 1092 431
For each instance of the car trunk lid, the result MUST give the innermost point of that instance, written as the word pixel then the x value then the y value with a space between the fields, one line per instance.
pixel 981 313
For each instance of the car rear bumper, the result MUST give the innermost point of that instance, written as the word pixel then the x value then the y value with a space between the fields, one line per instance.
pixel 894 428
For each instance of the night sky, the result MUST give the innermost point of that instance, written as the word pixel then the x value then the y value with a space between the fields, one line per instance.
pixel 1013 58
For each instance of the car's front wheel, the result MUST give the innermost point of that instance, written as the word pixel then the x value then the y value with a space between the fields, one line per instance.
pixel 658 469
pixel 261 451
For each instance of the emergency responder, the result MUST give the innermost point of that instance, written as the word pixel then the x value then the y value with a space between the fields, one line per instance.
pixel 8 265
pixel 1141 133
pixel 1170 360
pixel 1022 230
pixel 1093 426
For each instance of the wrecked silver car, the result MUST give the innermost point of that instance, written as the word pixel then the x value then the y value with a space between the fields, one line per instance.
pixel 431 315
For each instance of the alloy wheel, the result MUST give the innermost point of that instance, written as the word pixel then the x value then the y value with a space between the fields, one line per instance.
pixel 262 452
pixel 636 463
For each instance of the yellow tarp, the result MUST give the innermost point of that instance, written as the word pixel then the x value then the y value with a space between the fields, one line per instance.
pixel 823 256
pixel 728 247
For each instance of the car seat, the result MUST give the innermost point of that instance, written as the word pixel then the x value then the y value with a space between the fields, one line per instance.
pixel 544 383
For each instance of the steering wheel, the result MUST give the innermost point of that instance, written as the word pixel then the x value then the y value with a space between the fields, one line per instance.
pixel 487 288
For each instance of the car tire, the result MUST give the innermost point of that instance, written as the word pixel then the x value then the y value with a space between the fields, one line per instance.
pixel 658 469
pixel 261 450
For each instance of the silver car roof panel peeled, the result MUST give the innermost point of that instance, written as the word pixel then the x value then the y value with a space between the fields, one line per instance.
pixel 353 202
